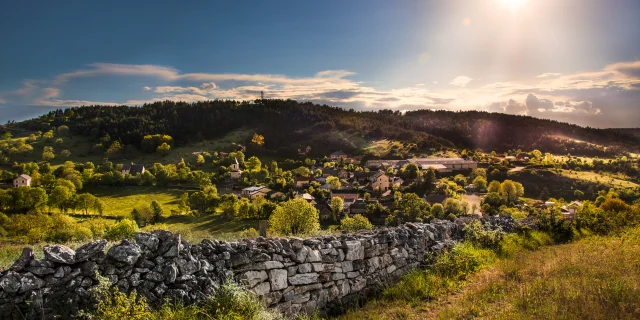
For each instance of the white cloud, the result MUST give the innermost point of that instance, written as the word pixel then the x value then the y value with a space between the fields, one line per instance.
pixel 557 97
pixel 549 75
pixel 460 81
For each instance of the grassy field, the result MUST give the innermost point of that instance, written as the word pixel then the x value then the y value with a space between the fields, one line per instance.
pixel 120 201
pixel 596 177
pixel 594 278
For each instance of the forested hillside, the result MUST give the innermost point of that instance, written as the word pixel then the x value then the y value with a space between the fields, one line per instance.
pixel 289 125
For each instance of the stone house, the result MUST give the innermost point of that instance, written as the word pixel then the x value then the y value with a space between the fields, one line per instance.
pixel 22 180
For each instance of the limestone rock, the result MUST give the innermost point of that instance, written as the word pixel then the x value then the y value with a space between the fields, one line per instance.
pixel 90 249
pixel 278 279
pixel 59 254
pixel 126 252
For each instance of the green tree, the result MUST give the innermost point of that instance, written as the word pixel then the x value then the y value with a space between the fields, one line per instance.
pixel 294 217
pixel 60 197
pixel 494 186
pixel 480 183
pixel 157 210
pixel 164 148
pixel 183 204
pixel 47 153
pixel 437 210
pixel 337 205
pixel 253 164
pixel 86 201
pixel 200 160
pixel 334 183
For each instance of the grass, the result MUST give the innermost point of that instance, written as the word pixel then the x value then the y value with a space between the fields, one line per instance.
pixel 120 201
pixel 596 177
pixel 593 278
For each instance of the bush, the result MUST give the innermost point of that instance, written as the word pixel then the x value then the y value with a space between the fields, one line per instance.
pixel 357 223
pixel 250 233
pixel 115 305
pixel 475 233
pixel 123 229
pixel 513 243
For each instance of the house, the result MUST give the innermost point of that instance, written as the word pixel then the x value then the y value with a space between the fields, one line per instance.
pixel 248 192
pixel 326 172
pixel 348 199
pixel 338 154
pixel 470 187
pixel 236 173
pixel 22 180
pixel 438 164
pixel 132 169
pixel 571 209
pixel 380 180
pixel 303 181
pixel 309 198
pixel 343 174
pixel 263 192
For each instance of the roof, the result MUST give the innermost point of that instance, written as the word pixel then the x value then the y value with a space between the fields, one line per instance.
pixel 307 196
pixel 253 189
pixel 417 161
pixel 301 178
pixel 338 153
pixel 25 176
pixel 127 166
pixel 136 168
pixel 574 204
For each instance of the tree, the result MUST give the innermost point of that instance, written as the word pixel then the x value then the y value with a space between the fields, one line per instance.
pixel 294 217
pixel 480 183
pixel 164 148
pixel 86 201
pixel 47 153
pixel 98 205
pixel 494 186
pixel 253 164
pixel 183 205
pixel 63 130
pixel 411 171
pixel 200 160
pixel 437 210
pixel 511 191
pixel 412 207
pixel 60 196
pixel 157 210
pixel 355 224
pixel 337 206
pixel 143 215
pixel 454 206
pixel 334 183
pixel 258 139
pixel 578 194
pixel 115 150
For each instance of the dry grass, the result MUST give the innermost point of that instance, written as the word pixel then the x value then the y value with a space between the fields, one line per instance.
pixel 595 278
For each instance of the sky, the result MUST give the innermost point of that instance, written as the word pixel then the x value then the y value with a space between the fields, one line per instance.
pixel 574 61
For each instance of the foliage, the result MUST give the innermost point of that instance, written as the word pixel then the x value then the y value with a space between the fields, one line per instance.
pixel 476 233
pixel 123 229
pixel 356 223
pixel 115 305
pixel 294 217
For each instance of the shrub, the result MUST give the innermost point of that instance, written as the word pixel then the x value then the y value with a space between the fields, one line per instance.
pixel 123 229
pixel 250 233
pixel 357 223
pixel 115 305
pixel 475 233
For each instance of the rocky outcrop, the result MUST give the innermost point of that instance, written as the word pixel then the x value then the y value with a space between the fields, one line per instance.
pixel 291 274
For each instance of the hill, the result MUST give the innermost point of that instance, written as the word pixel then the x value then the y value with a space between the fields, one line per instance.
pixel 289 125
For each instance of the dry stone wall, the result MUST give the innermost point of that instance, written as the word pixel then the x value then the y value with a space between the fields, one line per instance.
pixel 292 274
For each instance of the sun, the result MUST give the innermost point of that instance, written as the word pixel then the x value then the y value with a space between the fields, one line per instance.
pixel 513 5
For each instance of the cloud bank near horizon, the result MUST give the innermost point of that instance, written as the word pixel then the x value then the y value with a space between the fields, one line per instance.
pixel 602 98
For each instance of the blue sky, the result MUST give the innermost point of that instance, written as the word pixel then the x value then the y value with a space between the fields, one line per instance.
pixel 569 60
